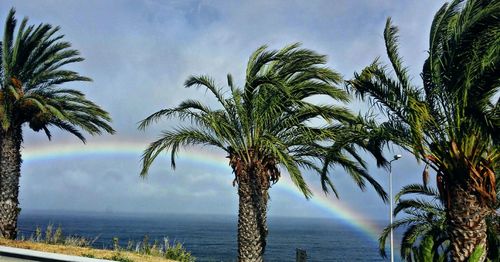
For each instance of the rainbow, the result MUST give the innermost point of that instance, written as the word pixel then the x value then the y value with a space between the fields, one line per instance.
pixel 335 207
pixel 330 205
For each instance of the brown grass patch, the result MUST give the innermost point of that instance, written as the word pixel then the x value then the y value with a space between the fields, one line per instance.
pixel 81 251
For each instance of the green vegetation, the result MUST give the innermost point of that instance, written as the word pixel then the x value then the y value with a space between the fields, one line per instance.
pixel 82 251
pixel 171 250
pixel 265 126
pixel 425 218
pixel 452 122
pixel 31 72
pixel 121 258
pixel 165 249
pixel 426 253
pixel 57 238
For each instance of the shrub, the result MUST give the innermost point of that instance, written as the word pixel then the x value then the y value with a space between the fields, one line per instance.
pixel 174 250
pixel 120 257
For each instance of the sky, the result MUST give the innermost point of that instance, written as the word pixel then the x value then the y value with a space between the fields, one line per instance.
pixel 139 53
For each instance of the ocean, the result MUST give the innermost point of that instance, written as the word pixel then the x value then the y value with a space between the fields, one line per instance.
pixel 213 237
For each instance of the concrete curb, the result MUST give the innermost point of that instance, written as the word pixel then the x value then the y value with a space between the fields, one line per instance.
pixel 44 256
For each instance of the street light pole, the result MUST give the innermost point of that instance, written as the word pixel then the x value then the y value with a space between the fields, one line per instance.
pixel 396 157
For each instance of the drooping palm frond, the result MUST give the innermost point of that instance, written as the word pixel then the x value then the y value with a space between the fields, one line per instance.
pixel 417 189
pixel 455 105
pixel 271 118
pixel 424 218
pixel 32 71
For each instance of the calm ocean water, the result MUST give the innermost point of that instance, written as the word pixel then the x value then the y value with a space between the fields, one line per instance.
pixel 213 238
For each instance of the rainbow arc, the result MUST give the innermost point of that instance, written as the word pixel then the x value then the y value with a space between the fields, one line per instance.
pixel 134 149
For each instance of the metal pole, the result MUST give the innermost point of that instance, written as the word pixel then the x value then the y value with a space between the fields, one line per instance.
pixel 396 157
pixel 390 212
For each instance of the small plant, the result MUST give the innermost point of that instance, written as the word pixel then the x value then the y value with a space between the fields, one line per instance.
pixel 121 258
pixel 48 233
pixel 155 248
pixel 77 241
pixel 176 251
pixel 116 243
pixel 38 234
pixel 88 255
pixel 58 237
pixel 130 245
pixel 51 236
pixel 146 249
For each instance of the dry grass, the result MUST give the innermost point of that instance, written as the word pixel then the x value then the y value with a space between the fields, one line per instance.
pixel 82 251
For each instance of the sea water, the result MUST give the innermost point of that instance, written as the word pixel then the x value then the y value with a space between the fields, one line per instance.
pixel 213 237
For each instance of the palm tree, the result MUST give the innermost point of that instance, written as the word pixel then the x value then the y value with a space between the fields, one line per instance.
pixel 265 129
pixel 426 218
pixel 30 75
pixel 452 123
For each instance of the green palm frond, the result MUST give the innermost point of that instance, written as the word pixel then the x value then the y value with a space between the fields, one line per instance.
pixel 32 71
pixel 173 140
pixel 270 120
pixel 416 189
pixel 391 42
pixel 454 113
pixel 427 207
pixel 424 218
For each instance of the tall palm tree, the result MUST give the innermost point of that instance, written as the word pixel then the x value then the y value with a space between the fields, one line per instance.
pixel 266 128
pixel 30 75
pixel 451 123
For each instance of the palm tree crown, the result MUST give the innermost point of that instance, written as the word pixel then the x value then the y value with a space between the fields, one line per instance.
pixel 269 121
pixel 31 71
pixel 452 122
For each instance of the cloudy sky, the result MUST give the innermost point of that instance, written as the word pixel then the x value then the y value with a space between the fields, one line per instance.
pixel 139 53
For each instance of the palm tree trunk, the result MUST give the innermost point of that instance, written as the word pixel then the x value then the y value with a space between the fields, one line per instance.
pixel 10 171
pixel 466 223
pixel 252 222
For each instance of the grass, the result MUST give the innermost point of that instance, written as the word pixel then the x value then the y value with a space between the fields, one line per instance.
pixel 117 255
pixel 54 241
pixel 166 249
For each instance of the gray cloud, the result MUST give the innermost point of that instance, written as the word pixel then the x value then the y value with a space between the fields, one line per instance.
pixel 140 52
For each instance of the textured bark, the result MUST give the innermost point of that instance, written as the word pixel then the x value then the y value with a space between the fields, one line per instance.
pixel 10 171
pixel 252 222
pixel 466 224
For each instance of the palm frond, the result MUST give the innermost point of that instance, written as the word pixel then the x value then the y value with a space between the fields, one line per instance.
pixel 268 120
pixel 31 73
